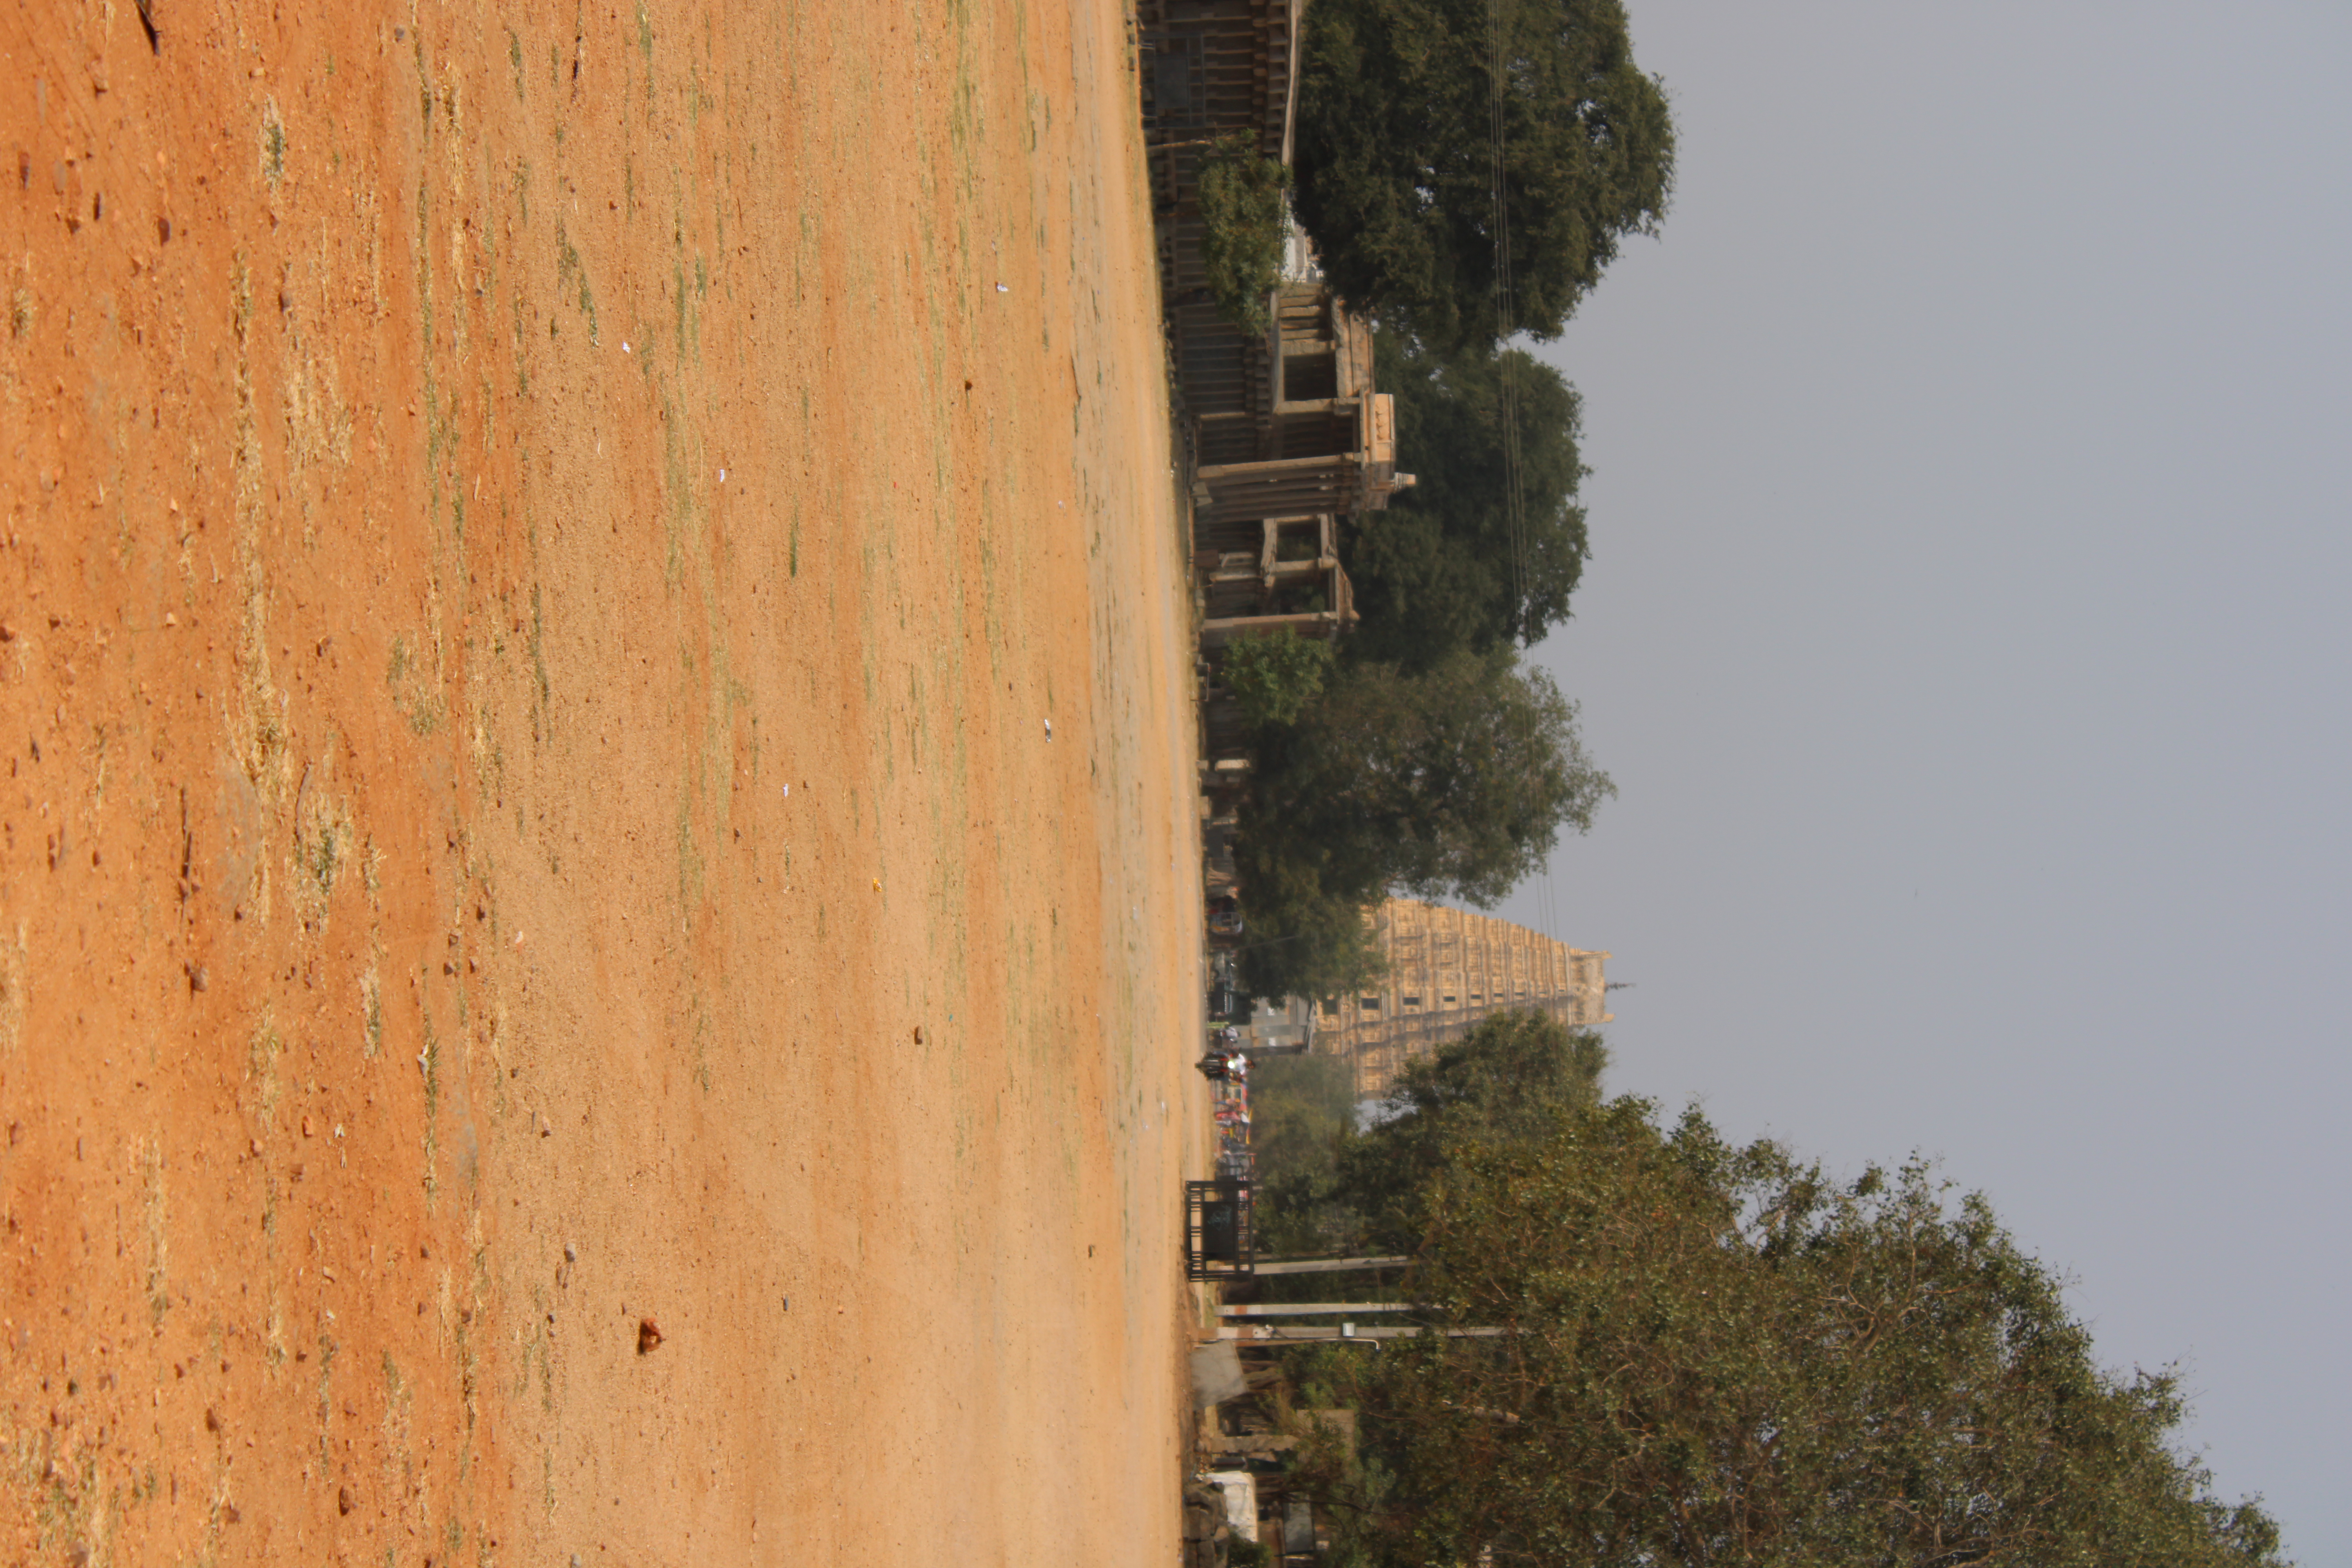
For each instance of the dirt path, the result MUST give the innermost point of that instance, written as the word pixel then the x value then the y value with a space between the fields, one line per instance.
pixel 594 676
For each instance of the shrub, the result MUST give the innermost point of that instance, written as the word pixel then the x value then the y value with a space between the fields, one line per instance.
pixel 1247 220
pixel 1275 675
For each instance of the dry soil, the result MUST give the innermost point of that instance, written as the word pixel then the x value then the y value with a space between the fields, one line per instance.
pixel 598 920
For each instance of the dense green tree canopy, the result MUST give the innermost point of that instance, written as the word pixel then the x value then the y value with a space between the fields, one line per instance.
pixel 1395 157
pixel 1324 1187
pixel 1509 1081
pixel 1275 675
pixel 1715 1354
pixel 1441 568
pixel 1245 225
pixel 1453 782
pixel 1302 1111
pixel 1303 938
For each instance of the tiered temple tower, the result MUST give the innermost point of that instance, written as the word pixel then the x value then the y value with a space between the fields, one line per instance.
pixel 1448 969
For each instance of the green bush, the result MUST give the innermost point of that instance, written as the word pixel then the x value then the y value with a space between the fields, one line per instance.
pixel 1302 1110
pixel 1247 222
pixel 1275 675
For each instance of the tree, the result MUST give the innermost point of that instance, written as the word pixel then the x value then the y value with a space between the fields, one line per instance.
pixel 1441 568
pixel 1245 223
pixel 1302 1117
pixel 1302 938
pixel 1275 675
pixel 1508 1080
pixel 1395 149
pixel 1720 1354
pixel 1324 1186
pixel 1453 782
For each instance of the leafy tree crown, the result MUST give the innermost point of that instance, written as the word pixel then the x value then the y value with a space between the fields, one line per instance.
pixel 1715 1353
pixel 1245 223
pixel 1275 675
pixel 1396 157
pixel 1445 567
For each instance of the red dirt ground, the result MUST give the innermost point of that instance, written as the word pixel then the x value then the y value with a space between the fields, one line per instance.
pixel 538 549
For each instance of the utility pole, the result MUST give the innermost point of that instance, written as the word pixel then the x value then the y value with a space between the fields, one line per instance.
pixel 1309 1309
pixel 1326 1265
pixel 1286 1333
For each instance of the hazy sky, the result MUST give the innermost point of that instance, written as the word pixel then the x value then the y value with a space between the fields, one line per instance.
pixel 1967 633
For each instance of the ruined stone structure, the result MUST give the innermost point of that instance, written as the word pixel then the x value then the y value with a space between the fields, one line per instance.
pixel 1214 68
pixel 1448 969
pixel 1210 69
pixel 1306 443
pixel 1288 437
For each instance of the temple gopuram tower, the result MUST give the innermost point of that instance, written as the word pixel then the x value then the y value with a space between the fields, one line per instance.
pixel 1449 969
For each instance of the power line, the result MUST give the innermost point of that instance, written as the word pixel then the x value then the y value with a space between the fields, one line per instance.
pixel 1506 387
pixel 1505 309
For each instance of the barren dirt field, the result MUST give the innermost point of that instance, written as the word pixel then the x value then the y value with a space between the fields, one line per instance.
pixel 594 679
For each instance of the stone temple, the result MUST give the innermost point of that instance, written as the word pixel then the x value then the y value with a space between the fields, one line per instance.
pixel 1448 969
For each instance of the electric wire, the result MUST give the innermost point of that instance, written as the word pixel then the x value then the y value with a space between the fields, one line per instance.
pixel 1506 410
